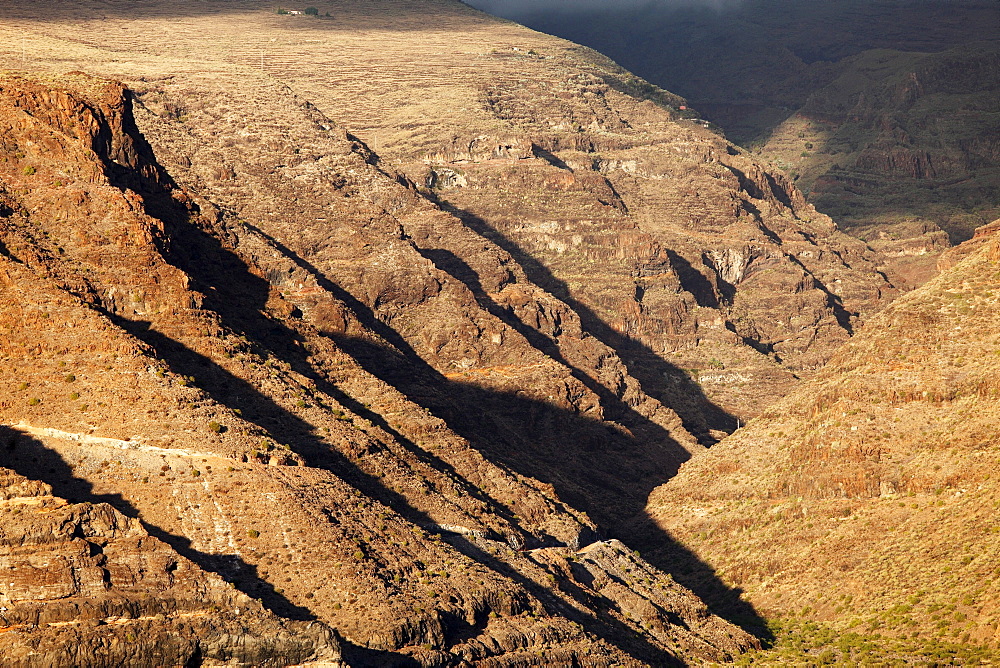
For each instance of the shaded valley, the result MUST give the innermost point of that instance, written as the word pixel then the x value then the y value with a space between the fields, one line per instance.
pixel 884 113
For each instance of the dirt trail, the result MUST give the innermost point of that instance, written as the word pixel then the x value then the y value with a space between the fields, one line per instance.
pixel 87 439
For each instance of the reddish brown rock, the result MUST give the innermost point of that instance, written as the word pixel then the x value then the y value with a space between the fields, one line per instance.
pixel 85 585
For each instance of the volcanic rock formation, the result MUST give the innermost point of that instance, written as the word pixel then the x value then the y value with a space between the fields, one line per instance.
pixel 151 365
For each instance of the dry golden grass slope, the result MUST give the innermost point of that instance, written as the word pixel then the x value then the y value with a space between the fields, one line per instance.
pixel 868 498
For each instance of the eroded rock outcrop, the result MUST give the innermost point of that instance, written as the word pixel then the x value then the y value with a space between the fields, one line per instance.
pixel 83 585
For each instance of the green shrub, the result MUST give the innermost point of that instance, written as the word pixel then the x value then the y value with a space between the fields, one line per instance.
pixel 34 401
pixel 253 533
pixel 215 426
pixel 312 11
pixel 29 170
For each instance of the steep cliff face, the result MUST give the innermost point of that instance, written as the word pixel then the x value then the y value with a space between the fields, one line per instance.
pixel 866 498
pixel 165 357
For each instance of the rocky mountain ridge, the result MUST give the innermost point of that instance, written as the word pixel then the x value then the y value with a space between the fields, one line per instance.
pixel 416 383
pixel 113 305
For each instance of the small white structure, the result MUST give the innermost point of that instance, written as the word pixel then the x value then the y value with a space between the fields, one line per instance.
pixel 295 11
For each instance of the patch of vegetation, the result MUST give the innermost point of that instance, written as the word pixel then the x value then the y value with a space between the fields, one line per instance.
pixel 801 642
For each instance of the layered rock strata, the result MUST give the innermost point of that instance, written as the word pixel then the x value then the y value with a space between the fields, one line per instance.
pixel 85 585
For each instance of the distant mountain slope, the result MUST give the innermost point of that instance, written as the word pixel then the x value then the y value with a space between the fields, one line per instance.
pixel 866 499
pixel 901 138
pixel 884 112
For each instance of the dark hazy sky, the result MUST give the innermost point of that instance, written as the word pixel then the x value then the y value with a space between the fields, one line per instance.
pixel 513 8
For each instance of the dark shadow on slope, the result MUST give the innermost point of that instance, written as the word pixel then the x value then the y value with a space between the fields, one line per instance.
pixel 521 429
pixel 833 301
pixel 241 303
pixel 550 157
pixel 658 378
pixel 614 408
pixel 594 466
pixel 690 571
pixel 511 419
pixel 604 469
pixel 695 282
